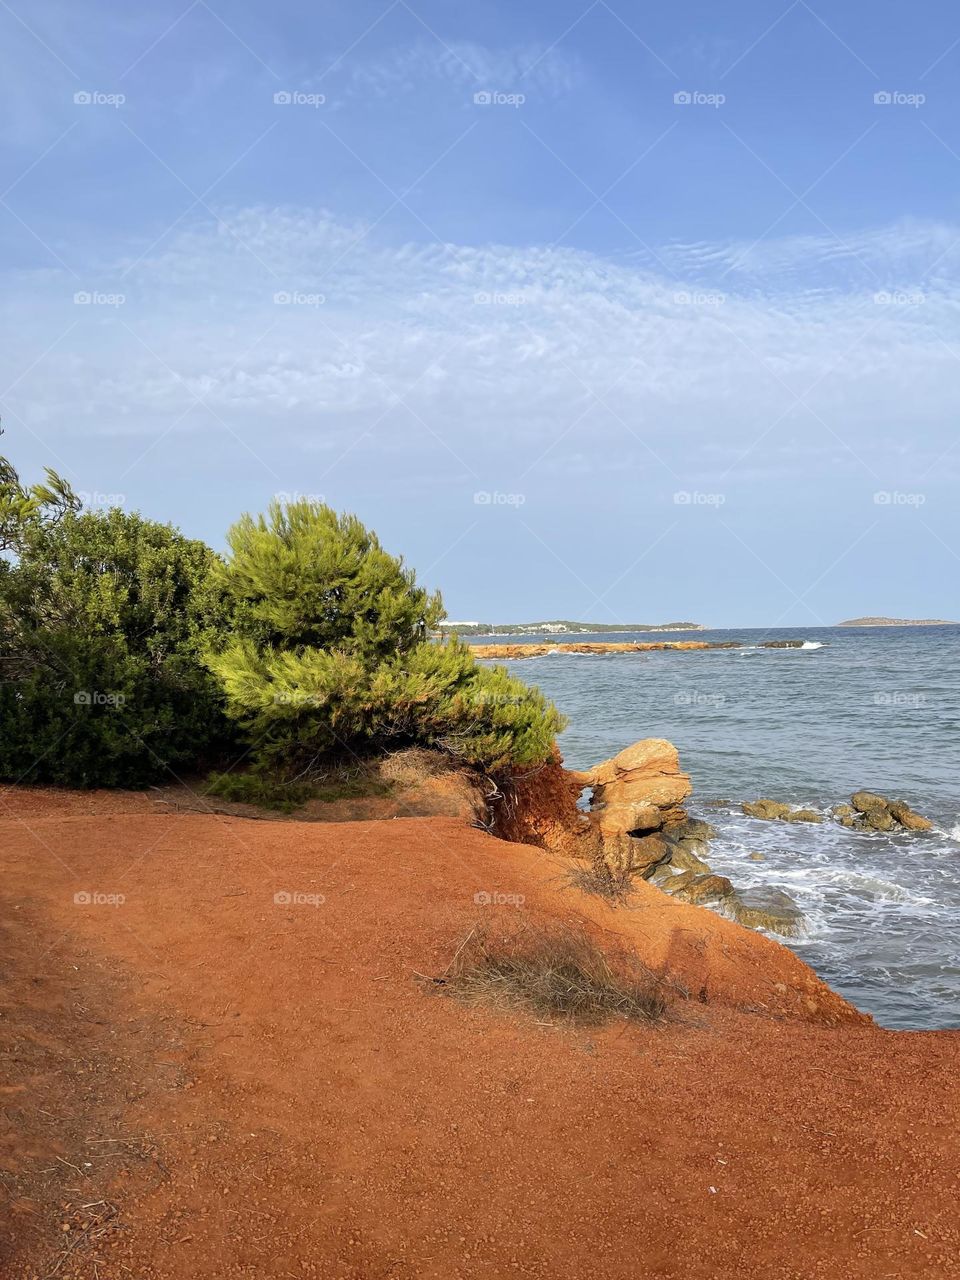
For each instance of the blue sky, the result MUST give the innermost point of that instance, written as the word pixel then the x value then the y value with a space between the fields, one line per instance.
pixel 614 311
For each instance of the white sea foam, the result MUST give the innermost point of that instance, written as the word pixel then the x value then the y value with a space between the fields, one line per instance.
pixel 884 890
pixel 811 644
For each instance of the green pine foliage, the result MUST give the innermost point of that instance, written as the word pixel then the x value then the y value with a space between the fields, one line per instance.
pixel 103 616
pixel 129 652
pixel 23 508
pixel 307 577
pixel 331 654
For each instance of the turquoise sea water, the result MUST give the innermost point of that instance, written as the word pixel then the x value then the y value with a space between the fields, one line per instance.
pixel 875 708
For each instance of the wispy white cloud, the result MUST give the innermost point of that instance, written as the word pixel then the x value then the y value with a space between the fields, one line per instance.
pixel 318 334
pixel 510 69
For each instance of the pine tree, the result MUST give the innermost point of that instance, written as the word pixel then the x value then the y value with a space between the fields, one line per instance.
pixel 331 652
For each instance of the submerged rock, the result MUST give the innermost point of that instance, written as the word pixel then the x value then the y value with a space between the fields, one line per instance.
pixel 872 812
pixel 694 830
pixel 769 809
pixel 702 888
pixel 757 857
pixel 684 857
pixel 867 811
pixel 765 907
pixel 907 818
pixel 867 801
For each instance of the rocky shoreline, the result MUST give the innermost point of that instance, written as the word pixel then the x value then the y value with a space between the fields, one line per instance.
pixel 514 651
pixel 625 818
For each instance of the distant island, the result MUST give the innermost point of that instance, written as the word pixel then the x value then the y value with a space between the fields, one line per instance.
pixel 557 628
pixel 896 622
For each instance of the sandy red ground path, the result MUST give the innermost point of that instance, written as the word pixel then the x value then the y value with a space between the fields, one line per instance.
pixel 289 1101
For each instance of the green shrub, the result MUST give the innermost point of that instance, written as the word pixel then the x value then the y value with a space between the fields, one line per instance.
pixel 331 652
pixel 259 789
pixel 103 616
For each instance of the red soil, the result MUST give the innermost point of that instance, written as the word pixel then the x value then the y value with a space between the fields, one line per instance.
pixel 232 1087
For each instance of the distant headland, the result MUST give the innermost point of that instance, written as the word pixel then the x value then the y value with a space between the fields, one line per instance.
pixel 558 628
pixel 896 622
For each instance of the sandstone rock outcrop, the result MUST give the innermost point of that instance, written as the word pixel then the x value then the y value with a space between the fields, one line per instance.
pixel 636 826
pixel 637 805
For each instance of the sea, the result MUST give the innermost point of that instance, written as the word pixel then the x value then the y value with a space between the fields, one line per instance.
pixel 875 708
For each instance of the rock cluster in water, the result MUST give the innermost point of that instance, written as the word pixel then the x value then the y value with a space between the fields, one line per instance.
pixel 642 829
pixel 865 812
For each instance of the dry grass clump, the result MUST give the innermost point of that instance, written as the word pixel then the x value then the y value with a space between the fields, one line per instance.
pixel 555 971
pixel 613 884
